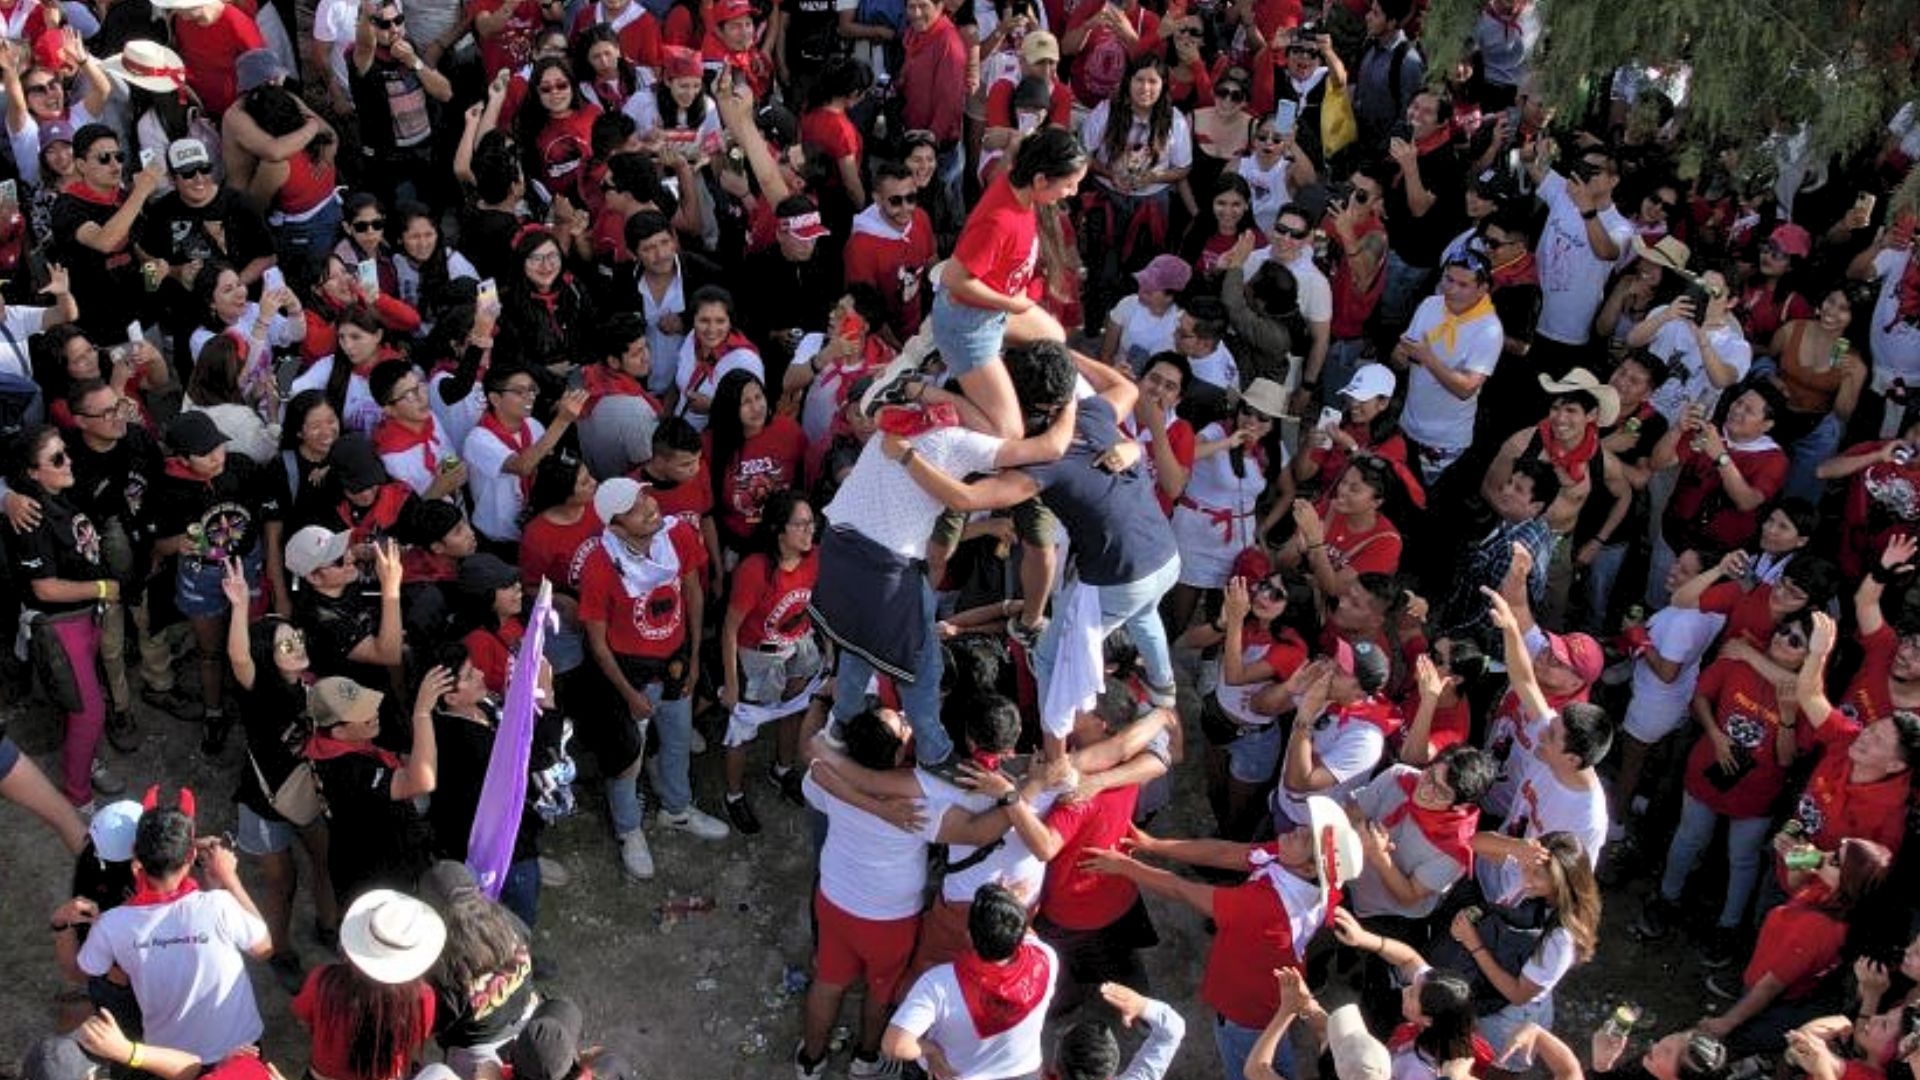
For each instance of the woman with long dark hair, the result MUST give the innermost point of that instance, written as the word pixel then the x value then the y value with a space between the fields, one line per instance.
pixel 360 341
pixel 369 1015
pixel 555 129
pixel 561 530
pixel 1141 147
pixel 714 350
pixel 1822 376
pixel 278 322
pixel 1226 217
pixel 1437 1013
pixel 424 267
pixel 309 426
pixel 483 980
pixel 607 78
pixel 1369 424
pixel 59 561
pixel 218 388
pixel 339 291
pixel 364 239
pixel 546 318
pixel 751 453
pixel 839 85
pixel 1214 519
pixel 1347 532
pixel 677 106
pixel 272 670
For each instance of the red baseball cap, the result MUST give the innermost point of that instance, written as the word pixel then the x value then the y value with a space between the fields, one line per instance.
pixel 1580 653
pixel 728 10
pixel 1793 240
pixel 677 62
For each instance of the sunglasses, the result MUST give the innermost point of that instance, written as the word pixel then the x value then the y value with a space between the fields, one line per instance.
pixel 1270 590
pixel 898 200
pixel 1792 638
pixel 39 88
pixel 369 224
pixel 110 157
pixel 292 643
pixel 1230 93
pixel 124 409
pixel 194 172
pixel 58 460
pixel 1291 234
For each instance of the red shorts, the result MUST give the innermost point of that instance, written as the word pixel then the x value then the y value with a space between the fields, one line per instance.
pixel 852 948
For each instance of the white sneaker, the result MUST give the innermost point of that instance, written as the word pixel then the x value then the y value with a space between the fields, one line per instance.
pixel 553 875
pixel 801 1072
pixel 635 857
pixel 882 1066
pixel 695 821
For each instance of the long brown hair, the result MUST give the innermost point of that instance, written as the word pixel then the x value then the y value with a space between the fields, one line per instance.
pixel 1573 894
pixel 1113 141
pixel 384 1022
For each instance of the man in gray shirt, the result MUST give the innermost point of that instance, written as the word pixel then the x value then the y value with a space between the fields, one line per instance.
pixel 1414 827
pixel 1391 72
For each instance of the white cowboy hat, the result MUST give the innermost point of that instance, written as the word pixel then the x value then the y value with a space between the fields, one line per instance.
pixel 391 937
pixel 1337 856
pixel 1265 396
pixel 1665 252
pixel 150 65
pixel 1580 380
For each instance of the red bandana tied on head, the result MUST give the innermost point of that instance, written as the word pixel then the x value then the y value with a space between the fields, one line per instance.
pixel 999 996
pixel 1450 831
pixel 1571 460
pixel 907 423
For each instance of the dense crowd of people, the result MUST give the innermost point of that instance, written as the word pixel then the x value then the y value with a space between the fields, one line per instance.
pixel 1026 412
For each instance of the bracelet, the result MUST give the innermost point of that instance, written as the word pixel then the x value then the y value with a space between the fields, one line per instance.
pixel 906 459
pixel 100 589
pixel 1476 950
pixel 133 1057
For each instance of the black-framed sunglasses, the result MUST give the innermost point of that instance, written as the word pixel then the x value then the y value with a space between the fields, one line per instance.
pixel 898 200
pixel 58 460
pixel 1793 637
pixel 1229 93
pixel 369 224
pixel 193 172
pixel 36 89
pixel 1270 589
pixel 109 157
pixel 1291 234
pixel 388 24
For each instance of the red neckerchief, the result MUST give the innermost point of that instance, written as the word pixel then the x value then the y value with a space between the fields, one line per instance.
pixel 919 40
pixel 1449 830
pixel 602 381
pixel 985 759
pixel 612 93
pixel 1438 138
pixel 180 470
pixel 382 515
pixel 705 360
pixel 1403 1038
pixel 1907 295
pixel 1375 710
pixel 999 996
pixel 515 442
pixel 1510 24
pixel 390 436
pixel 144 894
pixel 1570 460
pixel 1520 270
pixel 322 747
pixel 79 190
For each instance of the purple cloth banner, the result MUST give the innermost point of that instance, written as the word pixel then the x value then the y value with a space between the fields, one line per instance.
pixel 503 798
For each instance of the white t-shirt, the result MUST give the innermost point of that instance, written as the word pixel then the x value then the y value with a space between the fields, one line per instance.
pixel 334 22
pixel 1573 280
pixel 457 419
pixel 881 502
pixel 1217 368
pixel 186 962
pixel 870 868
pixel 687 372
pixel 1142 333
pixel 1013 864
pixel 1544 805
pixel 1348 750
pixel 1433 416
pixel 497 500
pixel 1178 153
pixel 411 466
pixel 1511 738
pixel 362 414
pixel 22 322
pixel 1270 192
pixel 1680 635
pixel 1675 339
pixel 1315 292
pixel 1896 344
pixel 935 1009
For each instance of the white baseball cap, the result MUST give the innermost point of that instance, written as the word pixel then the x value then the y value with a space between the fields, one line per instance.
pixel 1371 381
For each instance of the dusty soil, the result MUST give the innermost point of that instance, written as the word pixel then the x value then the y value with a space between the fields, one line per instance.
pixel 701 997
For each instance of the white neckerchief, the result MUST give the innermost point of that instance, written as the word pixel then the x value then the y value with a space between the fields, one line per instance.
pixel 1302 900
pixel 1751 446
pixel 641 574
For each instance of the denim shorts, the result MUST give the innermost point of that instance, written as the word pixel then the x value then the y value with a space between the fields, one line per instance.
pixel 1252 757
pixel 255 835
pixel 969 338
pixel 765 675
pixel 196 589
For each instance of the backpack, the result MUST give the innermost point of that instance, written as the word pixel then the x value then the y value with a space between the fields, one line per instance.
pixel 1101 65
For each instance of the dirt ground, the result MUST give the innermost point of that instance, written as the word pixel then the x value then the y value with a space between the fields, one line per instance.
pixel 702 997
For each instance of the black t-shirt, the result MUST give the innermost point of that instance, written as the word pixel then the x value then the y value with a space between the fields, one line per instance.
pixel 379 841
pixel 225 228
pixel 1419 241
pixel 104 285
pixel 465 747
pixel 65 546
pixel 1649 429
pixel 334 625
pixel 486 1011
pixel 230 510
pixel 813 30
pixel 274 716
pixel 385 84
pixel 486 239
pixel 1120 534
pixel 107 884
pixel 113 483
pixel 1518 307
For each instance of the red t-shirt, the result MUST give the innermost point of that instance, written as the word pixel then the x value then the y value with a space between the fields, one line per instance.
pixel 896 266
pixel 610 237
pixel 773 609
pixel 687 502
pixel 1870 695
pixel 1000 243
pixel 1832 807
pixel 564 146
pixel 558 552
pixel 766 463
pixel 1747 709
pixel 512 47
pixel 831 131
pixel 1881 503
pixel 1375 551
pixel 1000 105
pixel 1749 616
pixel 1252 939
pixel 332 1046
pixel 1074 898
pixel 1700 508
pixel 491 652
pixel 639 35
pixel 1799 944
pixel 208 53
pixel 653 626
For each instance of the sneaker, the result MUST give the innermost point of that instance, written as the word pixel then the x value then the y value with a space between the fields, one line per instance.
pixel 788 783
pixel 740 813
pixel 1725 985
pixel 694 821
pixel 1718 951
pixel 287 971
pixel 635 857
pixel 816 1071
pixel 1656 919
pixel 861 1069
pixel 122 733
pixel 172 702
pixel 947 770
pixel 553 875
pixel 898 383
pixel 104 782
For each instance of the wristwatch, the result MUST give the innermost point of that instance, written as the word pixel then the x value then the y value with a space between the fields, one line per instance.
pixel 1009 798
pixel 1589 215
pixel 1723 460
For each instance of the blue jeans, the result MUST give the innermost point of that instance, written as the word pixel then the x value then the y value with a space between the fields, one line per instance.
pixel 1805 455
pixel 302 246
pixel 1746 837
pixel 520 893
pixel 1235 1044
pixel 1406 287
pixel 1601 574
pixel 969 338
pixel 675 789
pixel 921 697
pixel 1135 605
